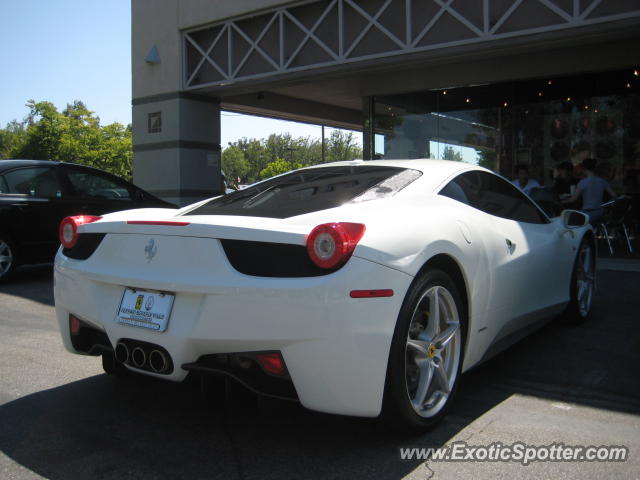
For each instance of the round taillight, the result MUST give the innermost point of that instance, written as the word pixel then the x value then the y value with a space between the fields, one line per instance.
pixel 68 231
pixel 331 244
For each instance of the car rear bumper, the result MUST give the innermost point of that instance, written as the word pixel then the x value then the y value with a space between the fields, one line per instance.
pixel 335 347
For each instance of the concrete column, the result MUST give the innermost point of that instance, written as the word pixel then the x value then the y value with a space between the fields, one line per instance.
pixel 176 149
pixel 368 128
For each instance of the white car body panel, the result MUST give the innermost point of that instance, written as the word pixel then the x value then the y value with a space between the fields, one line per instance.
pixel 330 349
pixel 335 347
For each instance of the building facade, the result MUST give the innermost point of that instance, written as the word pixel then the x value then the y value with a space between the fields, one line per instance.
pixel 533 82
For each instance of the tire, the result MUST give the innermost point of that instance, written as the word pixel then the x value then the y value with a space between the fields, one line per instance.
pixel 113 367
pixel 426 355
pixel 583 282
pixel 8 258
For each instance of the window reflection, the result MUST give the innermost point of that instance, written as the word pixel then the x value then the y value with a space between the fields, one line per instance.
pixel 540 123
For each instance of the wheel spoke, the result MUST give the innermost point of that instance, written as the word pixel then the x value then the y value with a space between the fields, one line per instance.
pixel 582 288
pixel 586 262
pixel 435 398
pixel 424 336
pixel 443 338
pixel 443 378
pixel 424 382
pixel 586 295
pixel 585 281
pixel 420 347
pixel 429 351
pixel 433 327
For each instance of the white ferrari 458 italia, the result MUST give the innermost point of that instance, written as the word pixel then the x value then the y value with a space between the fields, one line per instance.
pixel 357 288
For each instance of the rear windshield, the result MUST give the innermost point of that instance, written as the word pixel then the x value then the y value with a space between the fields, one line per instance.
pixel 311 190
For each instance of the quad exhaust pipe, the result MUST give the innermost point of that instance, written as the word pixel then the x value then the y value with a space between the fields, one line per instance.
pixel 122 352
pixel 143 355
pixel 138 357
pixel 158 361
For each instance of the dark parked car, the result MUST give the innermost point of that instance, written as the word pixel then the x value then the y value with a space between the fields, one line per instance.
pixel 35 195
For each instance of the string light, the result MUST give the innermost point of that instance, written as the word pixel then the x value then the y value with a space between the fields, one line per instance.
pixel 636 73
pixel 629 85
pixel 444 92
pixel 549 82
pixel 505 104
pixel 539 94
pixel 468 100
pixel 568 99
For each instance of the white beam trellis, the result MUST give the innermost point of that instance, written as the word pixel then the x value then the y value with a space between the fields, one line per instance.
pixel 295 25
pixel 310 34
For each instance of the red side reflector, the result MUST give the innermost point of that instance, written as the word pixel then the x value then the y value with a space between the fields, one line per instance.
pixel 74 325
pixel 153 222
pixel 371 293
pixel 272 363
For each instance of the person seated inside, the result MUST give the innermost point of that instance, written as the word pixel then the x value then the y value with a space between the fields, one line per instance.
pixel 564 179
pixel 523 182
pixel 592 189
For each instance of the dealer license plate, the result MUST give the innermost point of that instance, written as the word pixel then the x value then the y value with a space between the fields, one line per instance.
pixel 145 309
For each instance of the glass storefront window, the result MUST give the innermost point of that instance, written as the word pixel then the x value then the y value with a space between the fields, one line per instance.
pixel 432 125
pixel 540 123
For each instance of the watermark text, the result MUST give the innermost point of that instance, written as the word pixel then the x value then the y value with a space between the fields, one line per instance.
pixel 517 452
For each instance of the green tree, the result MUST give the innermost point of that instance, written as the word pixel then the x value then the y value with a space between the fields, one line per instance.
pixel 254 154
pixel 307 151
pixel 11 138
pixel 280 146
pixel 45 126
pixel 234 164
pixel 75 136
pixel 450 154
pixel 81 138
pixel 277 167
pixel 116 150
pixel 341 146
pixel 302 150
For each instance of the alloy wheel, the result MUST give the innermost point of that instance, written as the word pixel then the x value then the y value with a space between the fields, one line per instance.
pixel 6 258
pixel 433 351
pixel 585 279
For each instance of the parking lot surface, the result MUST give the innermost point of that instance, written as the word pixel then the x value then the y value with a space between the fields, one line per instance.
pixel 62 418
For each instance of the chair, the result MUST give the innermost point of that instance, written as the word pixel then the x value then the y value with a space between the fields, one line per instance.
pixel 613 224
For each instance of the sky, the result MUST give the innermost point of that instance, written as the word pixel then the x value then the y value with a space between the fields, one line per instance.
pixel 66 50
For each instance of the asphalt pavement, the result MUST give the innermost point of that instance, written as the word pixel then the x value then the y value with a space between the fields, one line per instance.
pixel 62 418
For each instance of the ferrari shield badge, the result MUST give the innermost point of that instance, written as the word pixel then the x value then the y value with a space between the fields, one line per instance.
pixel 150 250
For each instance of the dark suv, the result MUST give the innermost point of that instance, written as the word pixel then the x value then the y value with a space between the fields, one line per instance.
pixel 35 195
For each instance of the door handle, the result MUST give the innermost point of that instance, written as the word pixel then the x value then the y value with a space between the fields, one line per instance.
pixel 510 245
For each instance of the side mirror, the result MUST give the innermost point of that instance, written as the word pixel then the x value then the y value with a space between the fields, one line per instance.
pixel 574 219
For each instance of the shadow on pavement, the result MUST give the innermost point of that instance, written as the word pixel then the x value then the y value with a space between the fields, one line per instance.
pixel 596 364
pixel 101 427
pixel 33 282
